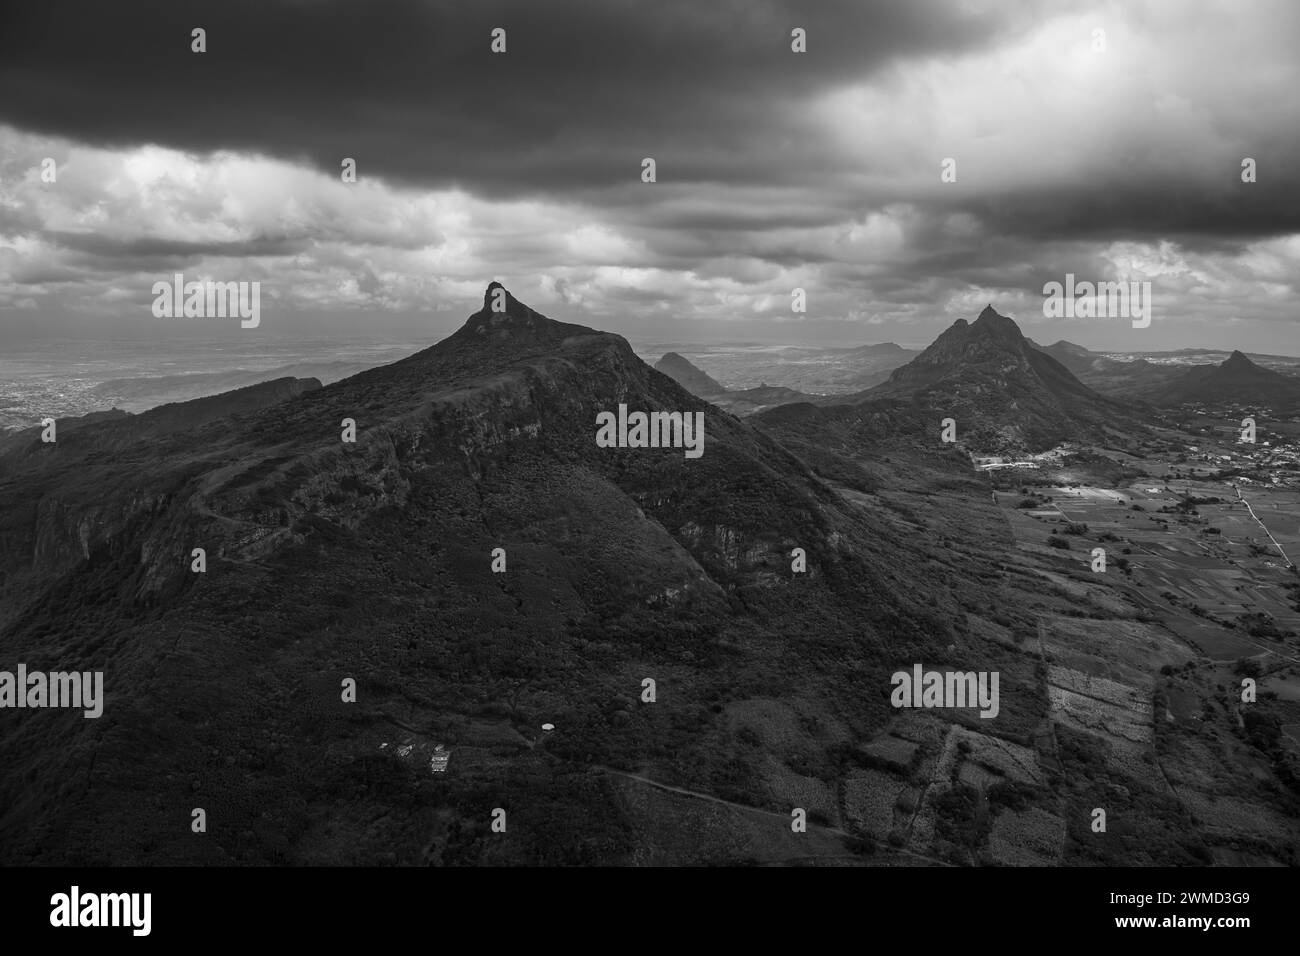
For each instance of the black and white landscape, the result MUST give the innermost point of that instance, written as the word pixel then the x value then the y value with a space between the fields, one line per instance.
pixel 446 434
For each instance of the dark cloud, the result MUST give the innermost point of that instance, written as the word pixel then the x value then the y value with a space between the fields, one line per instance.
pixel 1154 207
pixel 411 90
pixel 585 91
pixel 152 249
pixel 774 168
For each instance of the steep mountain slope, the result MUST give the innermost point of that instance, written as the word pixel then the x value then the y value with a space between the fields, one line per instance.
pixel 1003 392
pixel 66 500
pixel 1237 379
pixel 693 379
pixel 372 561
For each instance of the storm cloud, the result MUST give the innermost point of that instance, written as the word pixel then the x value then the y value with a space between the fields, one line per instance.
pixel 775 169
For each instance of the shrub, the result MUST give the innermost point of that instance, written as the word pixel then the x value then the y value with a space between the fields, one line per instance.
pixel 1259 624
pixel 1262 730
pixel 861 845
pixel 1248 667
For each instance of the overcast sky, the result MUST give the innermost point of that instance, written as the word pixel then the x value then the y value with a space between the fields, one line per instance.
pixel 775 169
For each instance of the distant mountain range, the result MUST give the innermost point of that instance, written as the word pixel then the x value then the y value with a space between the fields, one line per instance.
pixel 1207 356
pixel 1234 378
pixel 154 390
pixel 741 401
pixel 1004 390
pixel 1004 393
pixel 808 371
pixel 1001 390
pixel 1109 376
pixel 884 350
pixel 1237 379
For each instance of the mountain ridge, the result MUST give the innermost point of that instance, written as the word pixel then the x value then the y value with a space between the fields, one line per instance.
pixel 372 561
pixel 1003 391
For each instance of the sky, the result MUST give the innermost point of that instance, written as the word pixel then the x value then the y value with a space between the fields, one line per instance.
pixel 1103 140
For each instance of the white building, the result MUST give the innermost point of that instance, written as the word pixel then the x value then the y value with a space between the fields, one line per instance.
pixel 439 758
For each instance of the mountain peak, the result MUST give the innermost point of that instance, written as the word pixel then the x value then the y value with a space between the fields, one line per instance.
pixel 503 303
pixel 1238 360
pixel 1010 392
pixel 504 318
pixel 992 323
pixel 992 317
pixel 1069 347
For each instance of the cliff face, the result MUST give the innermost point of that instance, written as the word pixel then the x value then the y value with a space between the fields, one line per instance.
pixel 109 482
